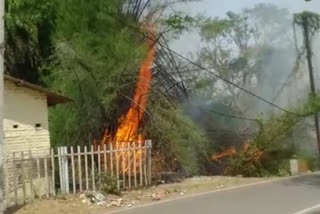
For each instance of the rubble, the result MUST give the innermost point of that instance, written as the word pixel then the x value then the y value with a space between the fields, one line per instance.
pixel 99 199
pixel 159 194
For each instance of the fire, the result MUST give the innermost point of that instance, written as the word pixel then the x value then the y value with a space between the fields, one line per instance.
pixel 127 134
pixel 129 125
pixel 230 152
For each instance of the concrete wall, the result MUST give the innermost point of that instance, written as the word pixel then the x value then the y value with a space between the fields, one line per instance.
pixel 24 108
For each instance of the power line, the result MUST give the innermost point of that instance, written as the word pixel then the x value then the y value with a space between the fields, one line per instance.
pixel 228 115
pixel 233 84
pixel 210 72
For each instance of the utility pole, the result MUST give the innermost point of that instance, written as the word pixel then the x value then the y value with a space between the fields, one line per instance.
pixel 305 25
pixel 2 46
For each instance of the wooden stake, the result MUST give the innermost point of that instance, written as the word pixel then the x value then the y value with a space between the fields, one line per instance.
pixel 66 169
pixel 31 175
pixel 15 176
pixel 135 164
pixel 92 169
pixel 73 172
pixel 145 162
pixel 23 178
pixel 46 176
pixel 123 166
pixel 99 164
pixel 38 168
pixel 105 158
pixel 129 164
pixel 86 167
pixel 79 168
pixel 53 173
pixel 111 159
pixel 60 170
pixel 149 161
pixel 140 163
pixel 117 166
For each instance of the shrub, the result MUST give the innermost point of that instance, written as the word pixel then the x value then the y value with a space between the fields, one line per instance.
pixel 108 183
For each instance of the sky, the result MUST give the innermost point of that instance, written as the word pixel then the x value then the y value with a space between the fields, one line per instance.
pixel 218 8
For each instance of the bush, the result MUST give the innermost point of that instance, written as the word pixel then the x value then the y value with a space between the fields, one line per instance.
pixel 108 184
pixel 180 144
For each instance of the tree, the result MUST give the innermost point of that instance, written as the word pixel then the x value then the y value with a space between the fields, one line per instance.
pixel 29 27
pixel 240 48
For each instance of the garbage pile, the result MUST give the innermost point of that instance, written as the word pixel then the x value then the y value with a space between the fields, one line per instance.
pixel 97 198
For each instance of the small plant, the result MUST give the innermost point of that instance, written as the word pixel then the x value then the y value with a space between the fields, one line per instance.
pixel 108 183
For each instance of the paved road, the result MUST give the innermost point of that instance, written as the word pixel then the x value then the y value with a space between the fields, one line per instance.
pixel 281 197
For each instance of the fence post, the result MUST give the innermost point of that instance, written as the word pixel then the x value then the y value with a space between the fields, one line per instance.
pixel 92 169
pixel 79 168
pixel 86 167
pixel 61 170
pixel 140 163
pixel 117 166
pixel 46 176
pixel 111 159
pixel 15 176
pixel 150 161
pixel 99 164
pixel 123 165
pixel 99 160
pixel 129 164
pixel 38 168
pixel 66 169
pixel 135 164
pixel 145 162
pixel 31 175
pixel 23 177
pixel 53 173
pixel 105 158
pixel 73 171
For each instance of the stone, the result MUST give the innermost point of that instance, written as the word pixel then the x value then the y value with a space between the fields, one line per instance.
pixel 115 203
pixel 159 194
pixel 102 203
pixel 100 197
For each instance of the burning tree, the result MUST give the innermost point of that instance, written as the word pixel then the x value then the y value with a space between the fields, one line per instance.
pixel 120 79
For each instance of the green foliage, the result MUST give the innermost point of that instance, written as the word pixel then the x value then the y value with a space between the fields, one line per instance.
pixel 29 27
pixel 312 161
pixel 179 23
pixel 108 183
pixel 274 143
pixel 96 64
pixel 175 136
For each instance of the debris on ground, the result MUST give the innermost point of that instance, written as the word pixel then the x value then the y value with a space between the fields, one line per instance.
pixel 98 202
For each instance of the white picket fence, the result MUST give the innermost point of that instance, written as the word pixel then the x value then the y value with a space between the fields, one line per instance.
pixel 67 170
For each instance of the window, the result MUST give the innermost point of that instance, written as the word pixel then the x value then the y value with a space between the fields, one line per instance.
pixel 15 126
pixel 38 125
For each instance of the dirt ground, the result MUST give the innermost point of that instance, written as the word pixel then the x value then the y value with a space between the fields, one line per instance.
pixel 76 205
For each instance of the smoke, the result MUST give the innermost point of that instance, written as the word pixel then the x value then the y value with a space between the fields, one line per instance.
pixel 281 76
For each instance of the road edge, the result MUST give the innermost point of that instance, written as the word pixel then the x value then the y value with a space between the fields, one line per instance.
pixel 273 180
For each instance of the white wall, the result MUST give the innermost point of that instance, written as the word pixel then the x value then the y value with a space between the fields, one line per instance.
pixel 25 107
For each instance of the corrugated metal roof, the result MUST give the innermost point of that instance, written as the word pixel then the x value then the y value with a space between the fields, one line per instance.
pixel 52 97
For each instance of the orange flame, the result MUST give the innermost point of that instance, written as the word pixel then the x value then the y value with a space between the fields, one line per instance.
pixel 128 129
pixel 129 125
pixel 230 152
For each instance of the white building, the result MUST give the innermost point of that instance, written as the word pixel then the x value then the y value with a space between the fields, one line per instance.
pixel 25 123
pixel 26 115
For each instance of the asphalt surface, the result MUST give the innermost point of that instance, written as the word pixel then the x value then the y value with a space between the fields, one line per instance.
pixel 289 196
